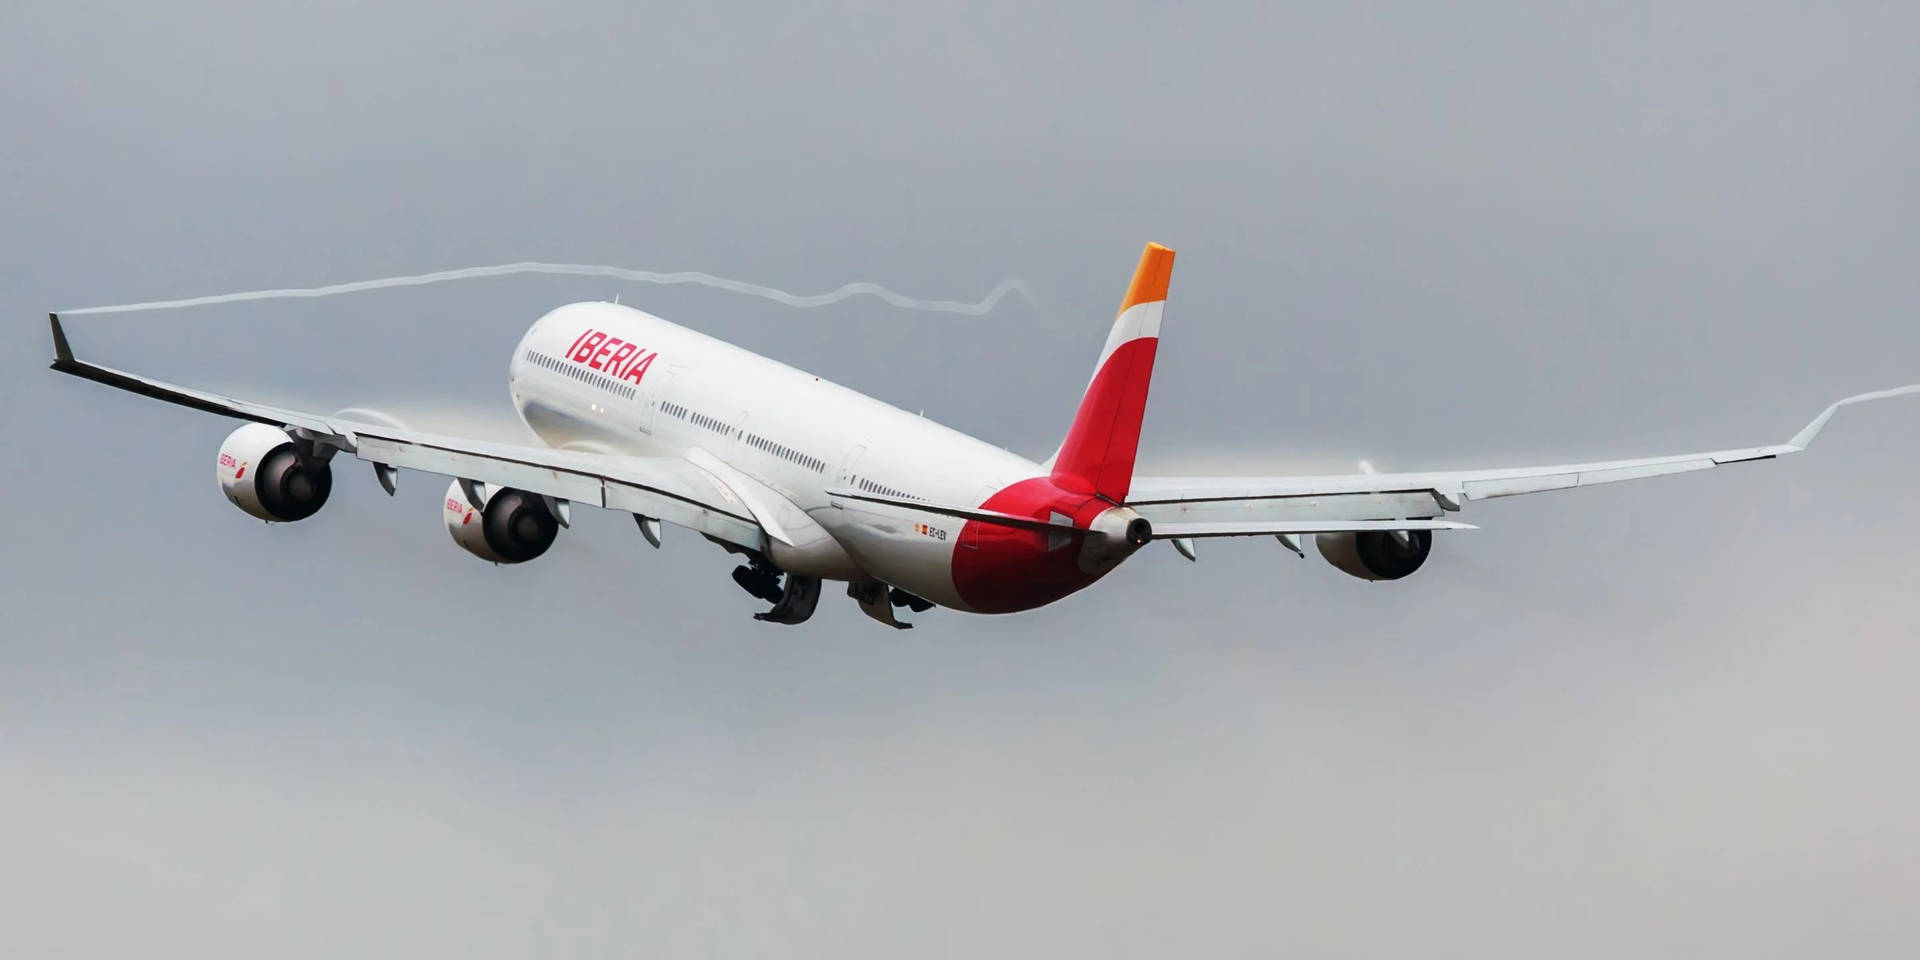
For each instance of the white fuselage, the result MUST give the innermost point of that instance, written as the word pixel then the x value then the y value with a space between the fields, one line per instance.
pixel 609 378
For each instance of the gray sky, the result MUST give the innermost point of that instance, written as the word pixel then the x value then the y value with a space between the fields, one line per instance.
pixel 1663 719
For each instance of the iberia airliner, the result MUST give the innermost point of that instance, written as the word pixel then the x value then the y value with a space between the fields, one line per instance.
pixel 808 481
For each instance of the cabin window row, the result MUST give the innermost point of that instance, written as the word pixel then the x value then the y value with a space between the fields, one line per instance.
pixel 787 453
pixel 582 374
pixel 884 490
pixel 698 419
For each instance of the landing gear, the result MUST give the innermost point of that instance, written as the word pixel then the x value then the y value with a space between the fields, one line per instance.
pixel 760 579
pixel 901 598
pixel 792 603
pixel 796 602
pixel 876 601
pixel 794 597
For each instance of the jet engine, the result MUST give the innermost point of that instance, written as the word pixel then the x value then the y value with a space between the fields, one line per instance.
pixel 1376 554
pixel 262 473
pixel 512 526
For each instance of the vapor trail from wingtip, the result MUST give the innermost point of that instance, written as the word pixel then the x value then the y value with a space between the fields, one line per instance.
pixel 862 288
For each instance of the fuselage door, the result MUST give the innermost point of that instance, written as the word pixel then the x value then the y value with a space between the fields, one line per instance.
pixel 737 444
pixel 849 466
pixel 656 392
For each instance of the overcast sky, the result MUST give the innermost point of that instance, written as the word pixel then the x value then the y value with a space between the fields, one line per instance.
pixel 1675 718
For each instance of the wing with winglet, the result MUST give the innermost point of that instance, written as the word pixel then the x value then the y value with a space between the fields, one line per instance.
pixel 666 488
pixel 1262 505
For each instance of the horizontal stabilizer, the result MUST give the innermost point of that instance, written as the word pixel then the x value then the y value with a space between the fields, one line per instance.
pixel 964 513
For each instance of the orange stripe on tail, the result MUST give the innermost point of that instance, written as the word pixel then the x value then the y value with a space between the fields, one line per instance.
pixel 1150 279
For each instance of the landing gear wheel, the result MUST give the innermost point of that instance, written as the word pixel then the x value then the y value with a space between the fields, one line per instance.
pixel 760 581
pixel 795 604
pixel 901 598
pixel 875 602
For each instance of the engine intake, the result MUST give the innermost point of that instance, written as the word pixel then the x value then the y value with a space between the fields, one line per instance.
pixel 1376 554
pixel 262 472
pixel 512 526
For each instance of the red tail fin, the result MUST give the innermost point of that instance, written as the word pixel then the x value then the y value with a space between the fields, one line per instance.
pixel 1097 456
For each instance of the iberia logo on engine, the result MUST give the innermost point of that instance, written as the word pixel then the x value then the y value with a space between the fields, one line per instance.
pixel 456 507
pixel 611 355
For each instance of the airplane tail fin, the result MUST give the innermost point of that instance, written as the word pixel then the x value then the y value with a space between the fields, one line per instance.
pixel 1097 455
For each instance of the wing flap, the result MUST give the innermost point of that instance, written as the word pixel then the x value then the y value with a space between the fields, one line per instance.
pixel 472 465
pixel 691 514
pixel 1284 508
pixel 1514 486
pixel 1256 528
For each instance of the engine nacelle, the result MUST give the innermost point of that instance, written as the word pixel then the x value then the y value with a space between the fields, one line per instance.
pixel 260 471
pixel 512 526
pixel 1376 554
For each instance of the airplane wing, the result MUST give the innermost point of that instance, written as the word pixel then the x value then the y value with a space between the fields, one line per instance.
pixel 1246 506
pixel 665 488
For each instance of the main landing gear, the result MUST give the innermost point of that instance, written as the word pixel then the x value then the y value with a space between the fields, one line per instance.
pixel 901 598
pixel 877 600
pixel 794 597
pixel 792 603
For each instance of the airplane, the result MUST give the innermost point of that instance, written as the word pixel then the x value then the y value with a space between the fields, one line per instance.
pixel 809 481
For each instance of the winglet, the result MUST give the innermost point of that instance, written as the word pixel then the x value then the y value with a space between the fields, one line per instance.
pixel 62 351
pixel 1805 437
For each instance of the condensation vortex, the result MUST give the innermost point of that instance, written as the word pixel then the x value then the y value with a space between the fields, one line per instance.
pixel 979 308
